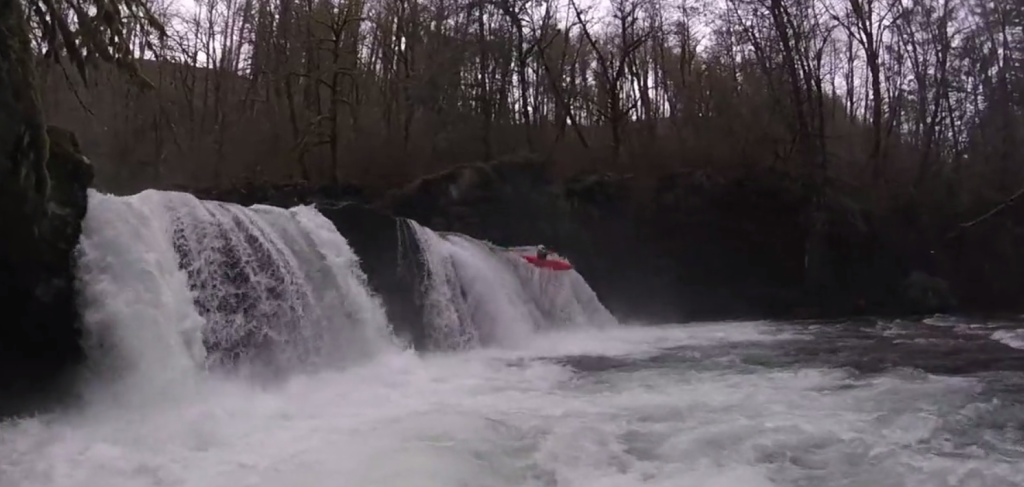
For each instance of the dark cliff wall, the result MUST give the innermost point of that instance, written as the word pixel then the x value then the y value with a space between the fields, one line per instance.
pixel 693 247
pixel 390 256
pixel 690 246
pixel 39 332
pixel 680 253
pixel 516 202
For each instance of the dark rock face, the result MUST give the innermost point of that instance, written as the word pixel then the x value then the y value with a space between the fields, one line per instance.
pixel 985 262
pixel 691 247
pixel 515 202
pixel 738 247
pixel 477 196
pixel 729 248
pixel 39 334
pixel 690 250
pixel 390 256
pixel 282 195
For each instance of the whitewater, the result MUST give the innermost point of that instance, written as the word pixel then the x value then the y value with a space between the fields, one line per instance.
pixel 236 346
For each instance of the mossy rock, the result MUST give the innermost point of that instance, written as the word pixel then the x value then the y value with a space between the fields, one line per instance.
pixel 39 339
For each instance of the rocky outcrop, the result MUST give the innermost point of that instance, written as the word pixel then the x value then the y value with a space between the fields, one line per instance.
pixel 390 257
pixel 729 248
pixel 475 197
pixel 688 245
pixel 924 293
pixel 693 246
pixel 689 249
pixel 284 195
pixel 39 334
pixel 515 202
pixel 741 243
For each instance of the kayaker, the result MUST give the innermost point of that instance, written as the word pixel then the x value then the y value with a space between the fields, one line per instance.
pixel 542 252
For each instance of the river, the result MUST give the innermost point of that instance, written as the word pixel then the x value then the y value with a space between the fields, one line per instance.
pixel 713 405
pixel 243 347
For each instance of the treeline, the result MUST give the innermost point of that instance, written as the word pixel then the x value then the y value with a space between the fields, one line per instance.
pixel 882 99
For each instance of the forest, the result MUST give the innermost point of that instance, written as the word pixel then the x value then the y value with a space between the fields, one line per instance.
pixel 885 102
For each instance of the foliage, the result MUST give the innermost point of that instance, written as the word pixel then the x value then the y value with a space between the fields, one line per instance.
pixel 97 32
pixel 889 102
pixel 90 30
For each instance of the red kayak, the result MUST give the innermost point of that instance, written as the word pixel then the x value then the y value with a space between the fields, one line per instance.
pixel 549 263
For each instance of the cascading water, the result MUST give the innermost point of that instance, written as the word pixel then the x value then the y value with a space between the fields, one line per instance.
pixel 171 285
pixel 211 284
pixel 446 314
pixel 500 309
pixel 476 293
pixel 140 322
pixel 563 298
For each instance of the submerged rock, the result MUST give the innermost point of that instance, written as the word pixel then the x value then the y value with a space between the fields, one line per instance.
pixel 39 334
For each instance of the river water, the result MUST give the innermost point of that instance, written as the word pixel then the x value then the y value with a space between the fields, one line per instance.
pixel 244 347
pixel 870 403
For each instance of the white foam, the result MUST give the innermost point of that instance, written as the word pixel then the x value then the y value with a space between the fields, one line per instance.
pixel 564 297
pixel 446 313
pixel 942 320
pixel 365 310
pixel 498 418
pixel 500 309
pixel 280 287
pixel 478 294
pixel 143 335
pixel 1010 338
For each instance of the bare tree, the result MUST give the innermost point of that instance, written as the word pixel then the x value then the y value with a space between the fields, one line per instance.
pixel 892 97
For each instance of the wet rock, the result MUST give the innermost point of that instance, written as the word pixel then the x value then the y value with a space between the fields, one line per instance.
pixel 927 294
pixel 602 190
pixel 515 202
pixel 39 334
pixel 735 247
pixel 510 202
pixel 692 247
pixel 697 245
pixel 390 256
pixel 283 195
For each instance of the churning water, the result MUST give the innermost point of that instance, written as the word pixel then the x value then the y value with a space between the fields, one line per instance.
pixel 631 406
pixel 179 301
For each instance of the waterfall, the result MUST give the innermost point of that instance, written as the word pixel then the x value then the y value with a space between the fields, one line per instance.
pixel 172 284
pixel 446 312
pixel 564 298
pixel 140 322
pixel 476 293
